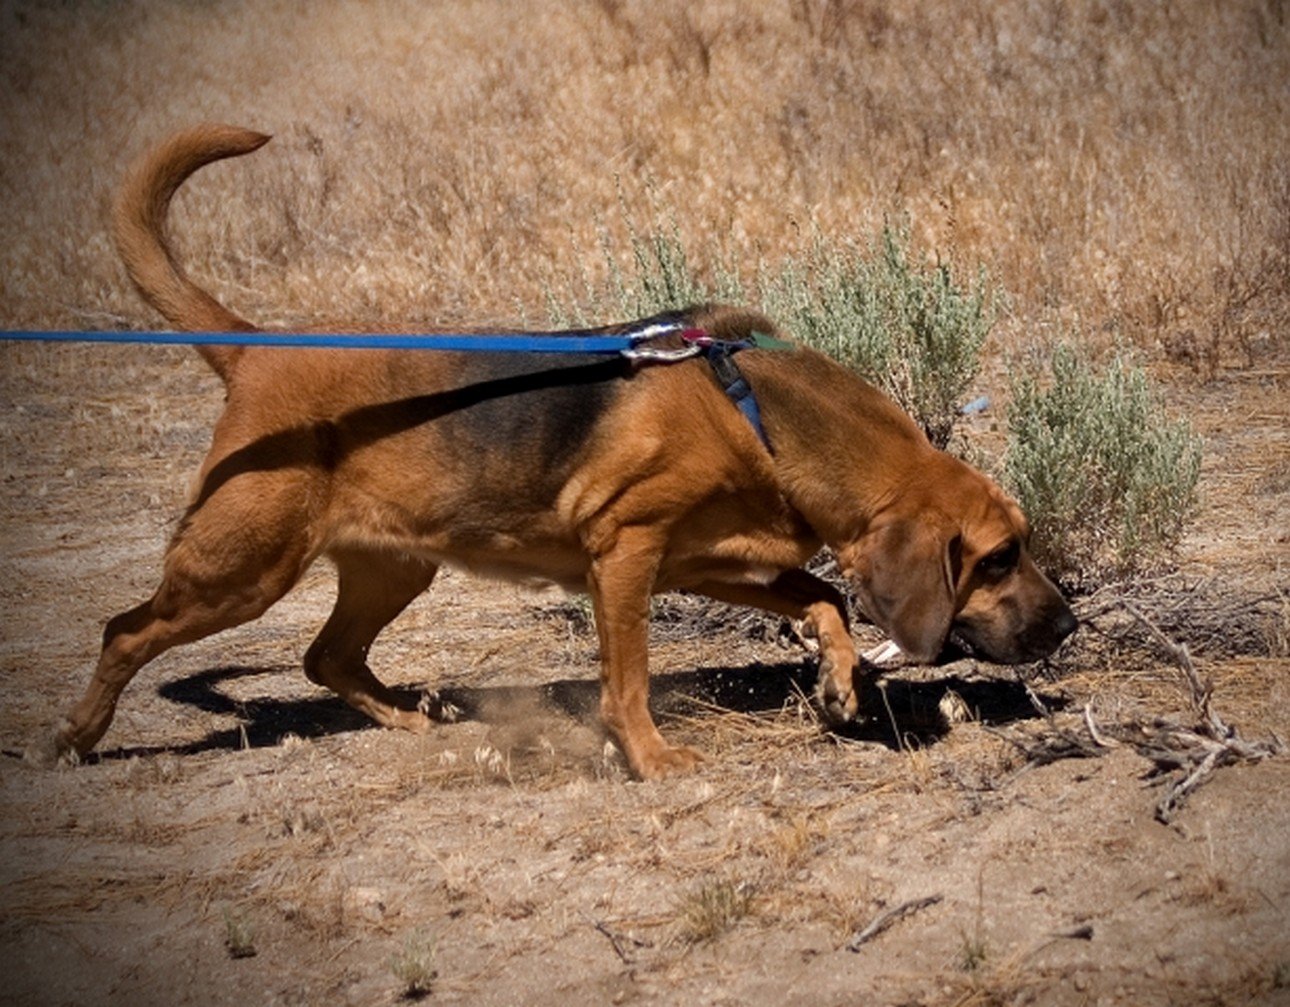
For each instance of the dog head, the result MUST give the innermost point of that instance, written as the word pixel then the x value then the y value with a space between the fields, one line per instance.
pixel 948 561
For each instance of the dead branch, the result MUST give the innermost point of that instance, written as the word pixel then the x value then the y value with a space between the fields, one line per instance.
pixel 885 919
pixel 616 940
pixel 1053 745
pixel 1093 733
pixel 1194 752
pixel 1200 691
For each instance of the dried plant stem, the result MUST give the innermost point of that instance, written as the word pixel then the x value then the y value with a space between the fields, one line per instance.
pixel 885 919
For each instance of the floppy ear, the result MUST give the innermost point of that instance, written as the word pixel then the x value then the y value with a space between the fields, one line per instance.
pixel 905 576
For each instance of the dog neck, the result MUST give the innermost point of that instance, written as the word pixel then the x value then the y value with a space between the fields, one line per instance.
pixel 837 440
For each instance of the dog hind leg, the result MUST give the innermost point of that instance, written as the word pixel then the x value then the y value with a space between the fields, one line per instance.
pixel 209 584
pixel 374 588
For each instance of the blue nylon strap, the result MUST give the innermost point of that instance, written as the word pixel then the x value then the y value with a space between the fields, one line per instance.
pixel 719 354
pixel 735 385
pixel 517 342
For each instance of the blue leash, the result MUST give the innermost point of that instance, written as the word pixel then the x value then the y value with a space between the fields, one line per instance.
pixel 718 353
pixel 518 342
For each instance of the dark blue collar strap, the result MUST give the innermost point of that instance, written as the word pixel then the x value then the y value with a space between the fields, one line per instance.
pixel 721 355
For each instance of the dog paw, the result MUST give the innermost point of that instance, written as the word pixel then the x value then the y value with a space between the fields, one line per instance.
pixel 839 710
pixel 53 750
pixel 838 702
pixel 434 707
pixel 667 761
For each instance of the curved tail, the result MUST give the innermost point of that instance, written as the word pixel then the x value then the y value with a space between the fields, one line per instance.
pixel 139 227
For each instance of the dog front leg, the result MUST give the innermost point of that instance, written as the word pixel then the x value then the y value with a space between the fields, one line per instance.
pixel 823 613
pixel 621 581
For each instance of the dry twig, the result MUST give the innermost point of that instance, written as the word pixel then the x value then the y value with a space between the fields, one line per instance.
pixel 616 940
pixel 1197 751
pixel 1053 745
pixel 885 919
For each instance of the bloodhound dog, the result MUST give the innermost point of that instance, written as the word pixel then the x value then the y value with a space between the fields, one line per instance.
pixel 619 477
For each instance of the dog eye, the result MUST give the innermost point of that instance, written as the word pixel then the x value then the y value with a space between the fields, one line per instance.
pixel 1002 560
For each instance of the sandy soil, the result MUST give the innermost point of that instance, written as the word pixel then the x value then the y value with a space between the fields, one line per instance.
pixel 242 837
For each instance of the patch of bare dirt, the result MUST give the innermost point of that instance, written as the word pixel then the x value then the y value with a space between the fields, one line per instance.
pixel 242 836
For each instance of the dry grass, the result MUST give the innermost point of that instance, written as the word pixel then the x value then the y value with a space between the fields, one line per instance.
pixel 414 965
pixel 1123 163
pixel 710 909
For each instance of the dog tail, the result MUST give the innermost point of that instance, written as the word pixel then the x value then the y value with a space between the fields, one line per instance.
pixel 139 227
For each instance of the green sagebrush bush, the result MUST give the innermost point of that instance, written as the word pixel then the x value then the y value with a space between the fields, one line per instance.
pixel 910 329
pixel 1106 478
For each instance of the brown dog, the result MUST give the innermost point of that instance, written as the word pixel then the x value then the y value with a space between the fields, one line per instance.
pixel 612 476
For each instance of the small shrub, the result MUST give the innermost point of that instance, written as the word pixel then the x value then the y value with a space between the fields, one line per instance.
pixel 414 965
pixel 239 935
pixel 661 276
pixel 711 909
pixel 974 952
pixel 910 329
pixel 1107 480
pixel 658 276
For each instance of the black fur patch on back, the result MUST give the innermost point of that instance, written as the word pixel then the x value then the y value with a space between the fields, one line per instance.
pixel 539 407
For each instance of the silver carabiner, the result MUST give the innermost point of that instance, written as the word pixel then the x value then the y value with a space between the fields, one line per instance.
pixel 659 356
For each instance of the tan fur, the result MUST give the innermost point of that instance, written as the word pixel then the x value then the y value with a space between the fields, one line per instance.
pixel 139 219
pixel 384 462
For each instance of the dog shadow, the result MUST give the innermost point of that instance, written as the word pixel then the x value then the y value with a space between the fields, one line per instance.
pixel 894 711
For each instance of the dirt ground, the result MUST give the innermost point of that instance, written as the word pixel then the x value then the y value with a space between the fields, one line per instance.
pixel 242 837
